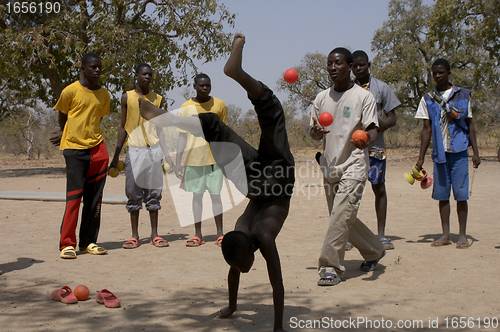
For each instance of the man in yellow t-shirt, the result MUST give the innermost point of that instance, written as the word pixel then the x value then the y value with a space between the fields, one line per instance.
pixel 81 107
pixel 201 172
pixel 146 148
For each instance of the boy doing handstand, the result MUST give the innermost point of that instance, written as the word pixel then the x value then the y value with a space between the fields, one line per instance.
pixel 269 179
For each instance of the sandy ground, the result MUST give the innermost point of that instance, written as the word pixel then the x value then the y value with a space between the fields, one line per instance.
pixel 181 289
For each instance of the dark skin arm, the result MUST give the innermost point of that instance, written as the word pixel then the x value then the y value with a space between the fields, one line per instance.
pixel 264 221
pixel 56 139
pixel 372 132
pixel 181 145
pixel 472 139
pixel 122 133
pixel 425 138
pixel 233 282
pixel 317 131
pixel 390 121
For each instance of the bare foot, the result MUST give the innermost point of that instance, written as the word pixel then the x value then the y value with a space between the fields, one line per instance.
pixel 442 241
pixel 462 242
pixel 225 312
pixel 233 65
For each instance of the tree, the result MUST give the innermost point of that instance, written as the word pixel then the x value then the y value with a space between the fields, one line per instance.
pixel 313 78
pixel 476 21
pixel 40 52
pixel 415 35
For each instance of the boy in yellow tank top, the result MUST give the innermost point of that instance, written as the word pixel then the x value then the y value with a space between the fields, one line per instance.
pixel 81 107
pixel 146 148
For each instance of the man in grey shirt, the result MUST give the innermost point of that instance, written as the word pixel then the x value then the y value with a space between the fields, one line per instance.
pixel 387 102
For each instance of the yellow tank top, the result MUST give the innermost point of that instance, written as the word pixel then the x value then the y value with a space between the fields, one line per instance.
pixel 140 132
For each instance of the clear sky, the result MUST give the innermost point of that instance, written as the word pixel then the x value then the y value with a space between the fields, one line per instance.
pixel 279 33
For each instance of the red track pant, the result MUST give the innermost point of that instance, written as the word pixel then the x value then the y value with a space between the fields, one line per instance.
pixel 85 175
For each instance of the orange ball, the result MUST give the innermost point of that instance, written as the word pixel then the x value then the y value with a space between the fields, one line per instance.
pixel 325 119
pixel 291 76
pixel 360 135
pixel 81 292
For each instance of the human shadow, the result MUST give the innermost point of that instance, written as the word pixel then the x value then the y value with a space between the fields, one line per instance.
pixel 429 238
pixel 21 264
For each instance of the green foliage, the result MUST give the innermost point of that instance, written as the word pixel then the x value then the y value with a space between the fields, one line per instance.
pixel 40 53
pixel 415 35
pixel 313 78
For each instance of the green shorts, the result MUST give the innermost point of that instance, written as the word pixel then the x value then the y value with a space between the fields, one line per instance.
pixel 197 179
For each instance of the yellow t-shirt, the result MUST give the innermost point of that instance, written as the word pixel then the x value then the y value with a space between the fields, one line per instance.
pixel 85 109
pixel 197 149
pixel 135 122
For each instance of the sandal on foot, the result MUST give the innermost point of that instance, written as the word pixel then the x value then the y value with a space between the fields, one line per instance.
pixel 388 245
pixel 194 242
pixel 131 244
pixel 329 279
pixel 64 295
pixel 159 242
pixel 108 299
pixel 68 253
pixel 368 266
pixel 348 246
pixel 218 242
pixel 463 245
pixel 94 249
pixel 438 243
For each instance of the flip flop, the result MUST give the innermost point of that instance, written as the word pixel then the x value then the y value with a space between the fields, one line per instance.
pixel 159 242
pixel 108 299
pixel 196 242
pixel 387 244
pixel 368 266
pixel 64 295
pixel 131 244
pixel 329 279
pixel 218 242
pixel 94 249
pixel 463 245
pixel 441 243
pixel 68 252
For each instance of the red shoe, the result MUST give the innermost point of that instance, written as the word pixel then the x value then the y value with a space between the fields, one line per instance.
pixel 108 299
pixel 64 295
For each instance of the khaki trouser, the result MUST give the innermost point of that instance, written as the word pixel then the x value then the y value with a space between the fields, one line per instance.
pixel 343 199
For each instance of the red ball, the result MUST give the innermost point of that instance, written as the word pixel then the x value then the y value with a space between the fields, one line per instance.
pixel 325 119
pixel 81 292
pixel 291 76
pixel 360 135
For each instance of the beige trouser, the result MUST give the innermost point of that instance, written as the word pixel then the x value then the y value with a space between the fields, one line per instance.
pixel 343 200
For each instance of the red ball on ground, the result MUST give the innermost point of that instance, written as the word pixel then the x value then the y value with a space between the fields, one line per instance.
pixel 325 119
pixel 360 135
pixel 81 292
pixel 291 76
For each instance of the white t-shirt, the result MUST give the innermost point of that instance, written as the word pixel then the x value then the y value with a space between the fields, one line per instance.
pixel 352 110
pixel 423 113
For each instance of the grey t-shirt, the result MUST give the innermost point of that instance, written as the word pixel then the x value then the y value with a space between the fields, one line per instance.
pixel 386 102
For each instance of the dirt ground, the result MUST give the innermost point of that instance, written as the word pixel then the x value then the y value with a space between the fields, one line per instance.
pixel 415 287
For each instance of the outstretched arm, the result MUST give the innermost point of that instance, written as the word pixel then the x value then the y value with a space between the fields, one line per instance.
pixel 270 254
pixel 233 281
pixel 425 139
